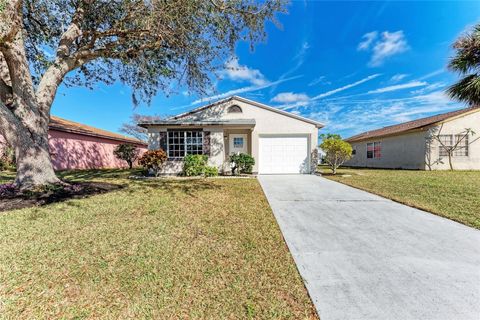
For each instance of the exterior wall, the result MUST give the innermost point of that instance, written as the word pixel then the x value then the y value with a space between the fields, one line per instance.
pixel 456 126
pixel 398 152
pixel 70 151
pixel 75 151
pixel 267 123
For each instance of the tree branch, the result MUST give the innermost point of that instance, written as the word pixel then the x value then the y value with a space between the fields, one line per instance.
pixel 72 33
pixel 9 18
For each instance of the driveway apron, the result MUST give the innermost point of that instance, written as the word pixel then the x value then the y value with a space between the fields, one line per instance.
pixel 366 257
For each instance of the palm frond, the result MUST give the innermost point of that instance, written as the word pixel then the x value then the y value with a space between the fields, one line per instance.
pixel 467 90
pixel 467 58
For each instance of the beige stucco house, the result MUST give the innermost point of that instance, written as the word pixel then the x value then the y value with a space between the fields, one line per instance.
pixel 279 141
pixel 415 145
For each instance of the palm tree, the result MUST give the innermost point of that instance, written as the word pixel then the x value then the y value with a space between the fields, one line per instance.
pixel 467 63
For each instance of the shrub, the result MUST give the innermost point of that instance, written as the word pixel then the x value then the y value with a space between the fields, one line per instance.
pixel 336 151
pixel 211 171
pixel 127 152
pixel 153 160
pixel 194 165
pixel 242 163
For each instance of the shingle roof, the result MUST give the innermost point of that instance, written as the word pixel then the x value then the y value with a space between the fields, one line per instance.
pixel 411 125
pixel 60 124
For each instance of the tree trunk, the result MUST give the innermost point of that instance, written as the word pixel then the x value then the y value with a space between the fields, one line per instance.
pixel 450 160
pixel 34 165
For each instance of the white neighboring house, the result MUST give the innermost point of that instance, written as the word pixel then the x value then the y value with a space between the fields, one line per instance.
pixel 406 145
pixel 279 141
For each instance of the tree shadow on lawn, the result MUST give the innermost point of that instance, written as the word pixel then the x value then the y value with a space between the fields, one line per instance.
pixel 89 174
pixel 12 198
pixel 189 187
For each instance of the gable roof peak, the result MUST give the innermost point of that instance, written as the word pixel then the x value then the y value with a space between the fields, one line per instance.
pixel 250 102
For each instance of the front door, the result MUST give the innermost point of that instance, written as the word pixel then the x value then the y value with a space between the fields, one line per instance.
pixel 237 143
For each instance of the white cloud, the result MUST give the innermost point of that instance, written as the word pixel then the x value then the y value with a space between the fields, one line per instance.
pixel 299 60
pixel 431 74
pixel 235 71
pixel 389 44
pixel 350 116
pixel 348 86
pixel 319 80
pixel 398 77
pixel 396 87
pixel 431 87
pixel 367 40
pixel 239 91
pixel 290 97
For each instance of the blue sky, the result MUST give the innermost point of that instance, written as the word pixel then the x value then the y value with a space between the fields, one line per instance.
pixel 354 66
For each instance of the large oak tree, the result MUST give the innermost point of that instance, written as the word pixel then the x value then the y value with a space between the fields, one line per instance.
pixel 146 44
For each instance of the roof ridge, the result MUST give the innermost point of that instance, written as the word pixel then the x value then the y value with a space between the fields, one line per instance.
pixel 81 128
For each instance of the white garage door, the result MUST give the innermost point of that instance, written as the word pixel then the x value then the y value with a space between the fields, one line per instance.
pixel 283 155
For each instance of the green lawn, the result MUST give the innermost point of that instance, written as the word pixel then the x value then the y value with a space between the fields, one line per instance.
pixel 155 249
pixel 451 194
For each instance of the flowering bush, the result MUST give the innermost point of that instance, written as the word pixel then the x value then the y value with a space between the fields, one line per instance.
pixel 153 160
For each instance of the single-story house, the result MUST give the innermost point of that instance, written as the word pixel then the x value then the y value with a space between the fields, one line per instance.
pixel 415 144
pixel 78 146
pixel 279 141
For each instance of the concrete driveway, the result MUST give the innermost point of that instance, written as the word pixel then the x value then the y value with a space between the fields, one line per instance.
pixel 365 257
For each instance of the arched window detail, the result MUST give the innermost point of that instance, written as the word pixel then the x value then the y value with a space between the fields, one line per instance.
pixel 234 109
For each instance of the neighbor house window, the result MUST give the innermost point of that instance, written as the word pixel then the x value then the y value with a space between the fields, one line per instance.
pixel 234 109
pixel 374 150
pixel 181 143
pixel 450 140
pixel 462 148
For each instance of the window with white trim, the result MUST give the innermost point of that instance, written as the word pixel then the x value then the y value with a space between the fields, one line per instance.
pixel 374 150
pixel 448 141
pixel 238 142
pixel 181 143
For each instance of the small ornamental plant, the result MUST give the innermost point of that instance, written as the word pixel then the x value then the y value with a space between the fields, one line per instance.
pixel 127 152
pixel 336 151
pixel 153 161
pixel 241 163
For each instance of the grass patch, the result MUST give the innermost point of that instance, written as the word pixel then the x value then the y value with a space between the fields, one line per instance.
pixel 450 194
pixel 154 249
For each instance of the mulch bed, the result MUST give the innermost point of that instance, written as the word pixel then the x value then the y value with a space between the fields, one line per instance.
pixel 12 198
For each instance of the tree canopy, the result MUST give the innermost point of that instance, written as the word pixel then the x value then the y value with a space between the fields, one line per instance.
pixel 149 45
pixel 336 150
pixel 467 63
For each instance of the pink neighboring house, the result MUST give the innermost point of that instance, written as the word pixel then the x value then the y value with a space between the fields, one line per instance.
pixel 78 146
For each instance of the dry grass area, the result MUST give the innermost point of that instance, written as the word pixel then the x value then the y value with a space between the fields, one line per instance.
pixel 451 194
pixel 155 249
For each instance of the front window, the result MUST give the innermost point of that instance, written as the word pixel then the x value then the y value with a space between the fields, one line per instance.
pixel 181 143
pixel 374 150
pixel 238 142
